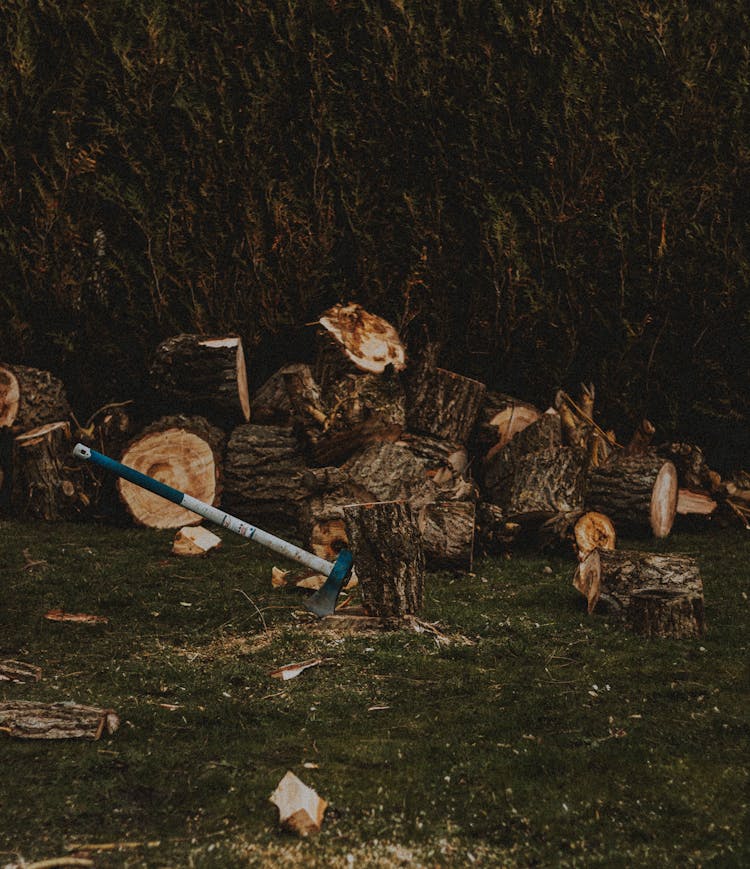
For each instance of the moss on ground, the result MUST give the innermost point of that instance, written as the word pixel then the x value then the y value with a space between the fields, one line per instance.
pixel 536 736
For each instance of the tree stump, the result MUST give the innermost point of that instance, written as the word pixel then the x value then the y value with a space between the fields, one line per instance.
pixel 264 476
pixel 447 529
pixel 637 492
pixel 443 404
pixel 199 375
pixel 608 578
pixel 500 417
pixel 353 341
pixel 184 452
pixel 388 557
pixel 666 612
pixel 30 397
pixel 545 484
pixel 46 482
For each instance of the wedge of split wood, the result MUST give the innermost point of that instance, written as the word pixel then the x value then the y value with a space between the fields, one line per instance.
pixel 195 540
pixel 300 808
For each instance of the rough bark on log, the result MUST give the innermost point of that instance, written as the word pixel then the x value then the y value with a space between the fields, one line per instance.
pixel 30 397
pixel 693 471
pixel 388 556
pixel 636 492
pixel 27 719
pixel 447 529
pixel 545 484
pixel 500 417
pixel 270 404
pixel 663 612
pixel 352 340
pixel 494 533
pixel 443 404
pixel 47 484
pixel 195 541
pixel 608 578
pixel 593 531
pixel 184 452
pixel 264 476
pixel 17 671
pixel 499 467
pixel 201 375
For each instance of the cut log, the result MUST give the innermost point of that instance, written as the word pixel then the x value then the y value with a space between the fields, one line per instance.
pixel 352 340
pixel 301 810
pixel 195 541
pixel 27 719
pixel 264 476
pixel 182 451
pixel 17 671
pixel 30 397
pixel 693 471
pixel 494 533
pixel 46 483
pixel 500 417
pixel 270 403
pixel 637 493
pixel 593 531
pixel 443 404
pixel 500 465
pixel 608 578
pixel 201 375
pixel 690 503
pixel 447 529
pixel 666 612
pixel 389 557
pixel 545 484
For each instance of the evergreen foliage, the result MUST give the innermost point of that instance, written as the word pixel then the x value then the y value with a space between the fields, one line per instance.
pixel 554 190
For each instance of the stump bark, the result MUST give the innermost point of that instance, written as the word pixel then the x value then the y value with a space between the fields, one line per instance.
pixel 271 404
pixel 447 529
pixel 608 578
pixel 664 612
pixel 637 492
pixel 184 452
pixel 199 375
pixel 443 404
pixel 30 397
pixel 388 557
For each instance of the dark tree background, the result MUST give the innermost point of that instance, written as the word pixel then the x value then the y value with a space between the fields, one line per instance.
pixel 556 191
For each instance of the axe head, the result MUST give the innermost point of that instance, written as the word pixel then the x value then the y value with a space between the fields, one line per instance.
pixel 323 602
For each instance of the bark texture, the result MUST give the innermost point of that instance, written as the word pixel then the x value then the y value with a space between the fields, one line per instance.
pixel 500 417
pixel 30 397
pixel 443 404
pixel 447 529
pixel 545 484
pixel 27 719
pixel 666 613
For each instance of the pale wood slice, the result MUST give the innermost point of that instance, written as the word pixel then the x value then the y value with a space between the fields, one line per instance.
pixel 666 612
pixel 30 397
pixel 195 541
pixel 27 719
pixel 301 810
pixel 690 503
pixel 593 531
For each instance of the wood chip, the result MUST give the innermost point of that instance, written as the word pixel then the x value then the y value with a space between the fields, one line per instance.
pixel 58 615
pixel 300 808
pixel 291 671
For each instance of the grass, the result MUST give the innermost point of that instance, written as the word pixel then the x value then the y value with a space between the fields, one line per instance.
pixel 537 736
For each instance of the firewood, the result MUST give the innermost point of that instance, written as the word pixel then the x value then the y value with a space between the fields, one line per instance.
pixel 27 719
pixel 690 503
pixel 263 476
pixel 321 518
pixel 184 452
pixel 692 468
pixel 637 493
pixel 447 530
pixel 46 484
pixel 443 404
pixel 17 671
pixel 201 375
pixel 30 397
pixel 593 531
pixel 301 810
pixel 351 340
pixel 500 417
pixel 195 541
pixel 270 404
pixel 495 533
pixel 544 484
pixel 608 578
pixel 389 556
pixel 666 612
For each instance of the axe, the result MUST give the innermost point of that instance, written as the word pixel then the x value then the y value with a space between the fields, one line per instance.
pixel 322 603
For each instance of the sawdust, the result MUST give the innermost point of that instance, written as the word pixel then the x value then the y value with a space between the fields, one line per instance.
pixel 230 646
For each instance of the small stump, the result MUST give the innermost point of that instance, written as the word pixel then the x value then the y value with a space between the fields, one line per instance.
pixel 666 612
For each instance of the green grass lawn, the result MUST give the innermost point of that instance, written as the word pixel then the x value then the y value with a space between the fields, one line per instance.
pixel 538 736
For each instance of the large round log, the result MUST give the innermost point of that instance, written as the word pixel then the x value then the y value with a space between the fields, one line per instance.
pixel 388 557
pixel 637 492
pixel 201 375
pixel 184 452
pixel 443 404
pixel 666 612
pixel 30 397
pixel 608 578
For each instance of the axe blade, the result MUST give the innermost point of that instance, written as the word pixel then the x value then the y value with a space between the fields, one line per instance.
pixel 323 602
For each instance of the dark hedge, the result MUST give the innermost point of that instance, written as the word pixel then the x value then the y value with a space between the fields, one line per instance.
pixel 556 191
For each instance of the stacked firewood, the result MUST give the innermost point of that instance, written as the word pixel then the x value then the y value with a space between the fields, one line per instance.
pixel 443 463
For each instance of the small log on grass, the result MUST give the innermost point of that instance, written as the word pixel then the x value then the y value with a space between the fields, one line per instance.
pixel 46 482
pixel 447 529
pixel 443 404
pixel 608 578
pixel 388 556
pixel 27 719
pixel 184 452
pixel 637 492
pixel 666 612
pixel 201 375
pixel 30 397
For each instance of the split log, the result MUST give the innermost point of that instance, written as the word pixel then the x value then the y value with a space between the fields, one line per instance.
pixel 637 493
pixel 545 484
pixel 593 531
pixel 690 503
pixel 495 534
pixel 301 810
pixel 666 612
pixel 447 529
pixel 27 719
pixel 46 482
pixel 500 417
pixel 608 578
pixel 182 451
pixel 499 466
pixel 263 476
pixel 200 375
pixel 195 541
pixel 389 557
pixel 17 671
pixel 353 341
pixel 30 397
pixel 443 404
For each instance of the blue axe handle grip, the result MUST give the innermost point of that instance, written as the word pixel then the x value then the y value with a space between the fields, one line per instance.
pixel 133 476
